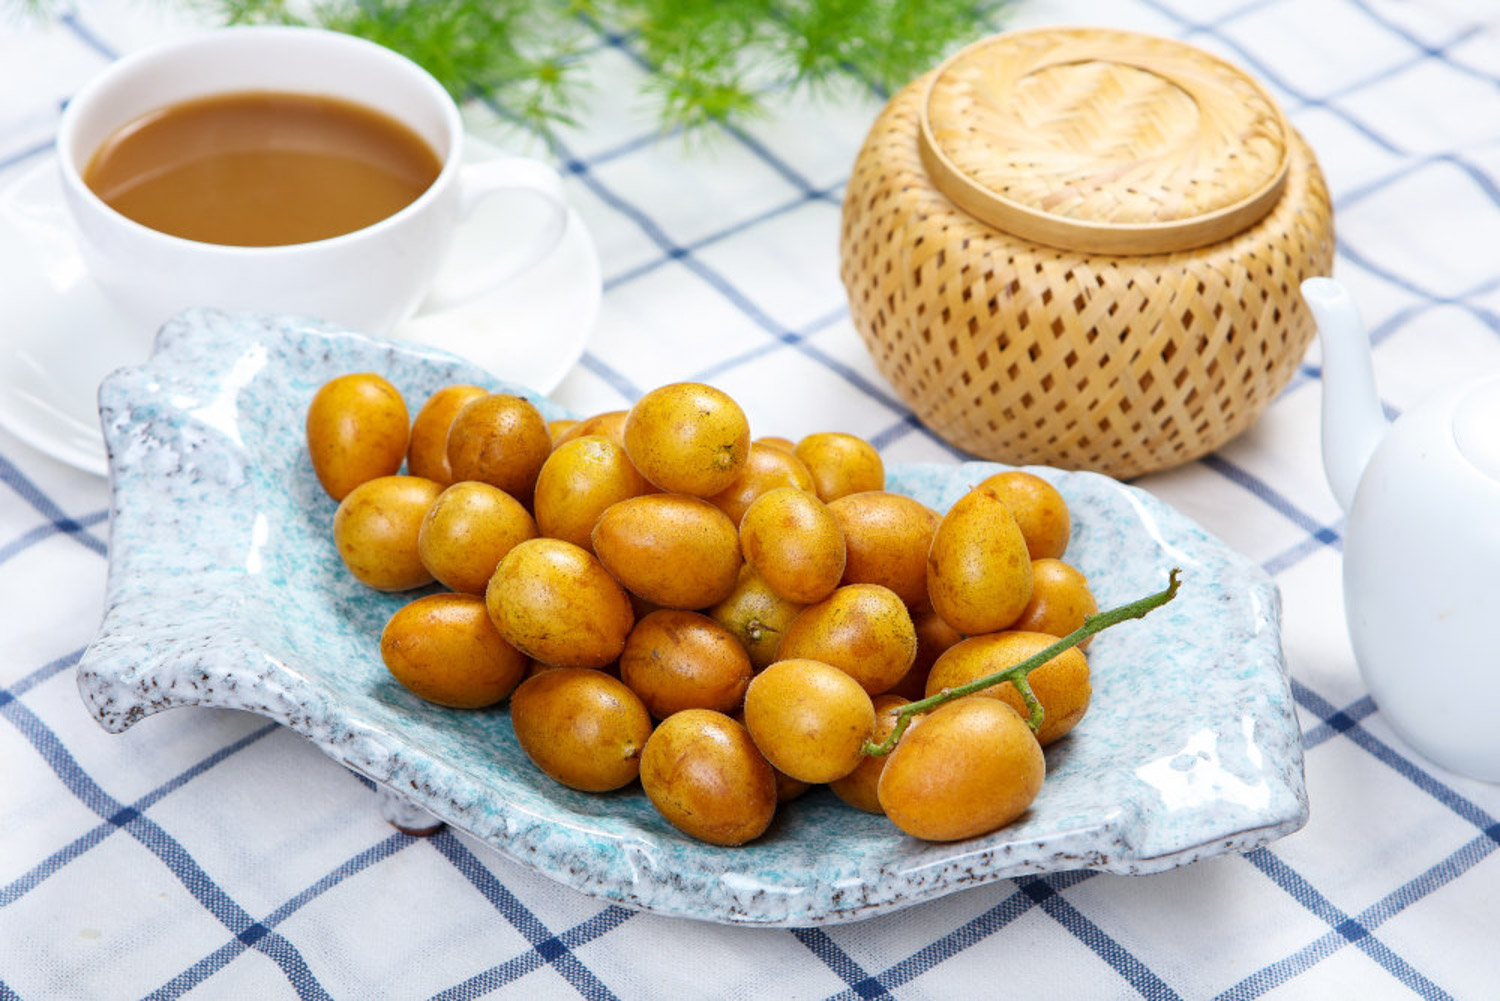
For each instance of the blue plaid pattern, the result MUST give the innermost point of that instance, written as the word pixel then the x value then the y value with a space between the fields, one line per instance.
pixel 207 853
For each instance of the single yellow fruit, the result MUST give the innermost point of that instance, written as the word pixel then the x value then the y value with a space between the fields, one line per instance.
pixel 888 536
pixel 377 527
pixel 756 615
pixel 702 772
pixel 809 719
pixel 841 464
pixel 467 532
pixel 580 479
pixel 978 569
pixel 1060 600
pixel 794 542
pixel 971 767
pixel 674 550
pixel 676 660
pixel 688 438
pixel 556 603
pixel 357 430
pixel 863 630
pixel 444 648
pixel 500 439
pixel 581 727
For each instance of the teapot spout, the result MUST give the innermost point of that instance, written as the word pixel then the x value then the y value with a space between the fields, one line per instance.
pixel 1353 420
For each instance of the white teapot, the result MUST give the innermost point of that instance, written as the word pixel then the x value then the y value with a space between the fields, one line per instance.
pixel 1421 544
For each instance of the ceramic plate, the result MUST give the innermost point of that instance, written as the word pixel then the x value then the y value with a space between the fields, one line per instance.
pixel 63 335
pixel 225 590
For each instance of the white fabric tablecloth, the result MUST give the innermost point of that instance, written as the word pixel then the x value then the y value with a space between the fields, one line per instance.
pixel 212 854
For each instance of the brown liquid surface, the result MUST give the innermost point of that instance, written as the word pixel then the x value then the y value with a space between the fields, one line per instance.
pixel 259 169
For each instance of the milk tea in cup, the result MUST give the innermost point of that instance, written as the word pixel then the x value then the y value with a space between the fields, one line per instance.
pixel 283 170
pixel 261 168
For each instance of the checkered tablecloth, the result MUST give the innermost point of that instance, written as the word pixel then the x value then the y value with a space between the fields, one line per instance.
pixel 211 854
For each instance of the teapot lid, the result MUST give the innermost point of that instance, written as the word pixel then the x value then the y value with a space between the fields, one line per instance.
pixel 1103 141
pixel 1476 426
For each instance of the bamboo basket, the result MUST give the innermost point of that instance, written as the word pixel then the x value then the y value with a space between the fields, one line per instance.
pixel 1082 248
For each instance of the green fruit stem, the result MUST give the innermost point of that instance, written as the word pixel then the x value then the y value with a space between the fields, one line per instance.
pixel 1016 674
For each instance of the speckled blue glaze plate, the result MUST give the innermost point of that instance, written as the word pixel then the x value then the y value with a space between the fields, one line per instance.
pixel 225 590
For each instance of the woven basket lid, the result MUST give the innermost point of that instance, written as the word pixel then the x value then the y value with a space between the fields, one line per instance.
pixel 1103 141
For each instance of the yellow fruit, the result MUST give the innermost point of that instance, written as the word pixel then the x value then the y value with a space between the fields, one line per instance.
pixel 841 464
pixel 1061 684
pixel 580 479
pixel 444 648
pixel 467 532
pixel 427 454
pixel 794 542
pixel 376 530
pixel 1060 600
pixel 674 550
pixel 970 768
pixel 357 430
pixel 502 440
pixel 556 603
pixel 756 615
pixel 688 438
pixel 978 569
pixel 809 719
pixel 1039 509
pixel 703 773
pixel 677 660
pixel 862 629
pixel 888 537
pixel 581 727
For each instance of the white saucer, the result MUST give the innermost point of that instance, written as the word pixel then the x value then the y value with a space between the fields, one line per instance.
pixel 61 336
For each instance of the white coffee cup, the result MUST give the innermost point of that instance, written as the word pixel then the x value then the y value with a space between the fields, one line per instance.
pixel 368 280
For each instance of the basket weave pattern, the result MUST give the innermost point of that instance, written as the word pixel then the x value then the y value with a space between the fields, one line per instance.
pixel 1024 353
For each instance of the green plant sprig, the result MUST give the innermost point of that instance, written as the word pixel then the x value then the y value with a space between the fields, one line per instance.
pixel 1016 674
pixel 519 53
pixel 710 61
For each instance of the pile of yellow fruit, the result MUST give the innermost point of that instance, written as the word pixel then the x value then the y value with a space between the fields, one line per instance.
pixel 728 621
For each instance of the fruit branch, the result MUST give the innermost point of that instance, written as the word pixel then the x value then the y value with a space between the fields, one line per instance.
pixel 1016 674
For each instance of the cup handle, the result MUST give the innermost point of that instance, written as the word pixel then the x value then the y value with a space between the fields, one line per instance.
pixel 466 280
